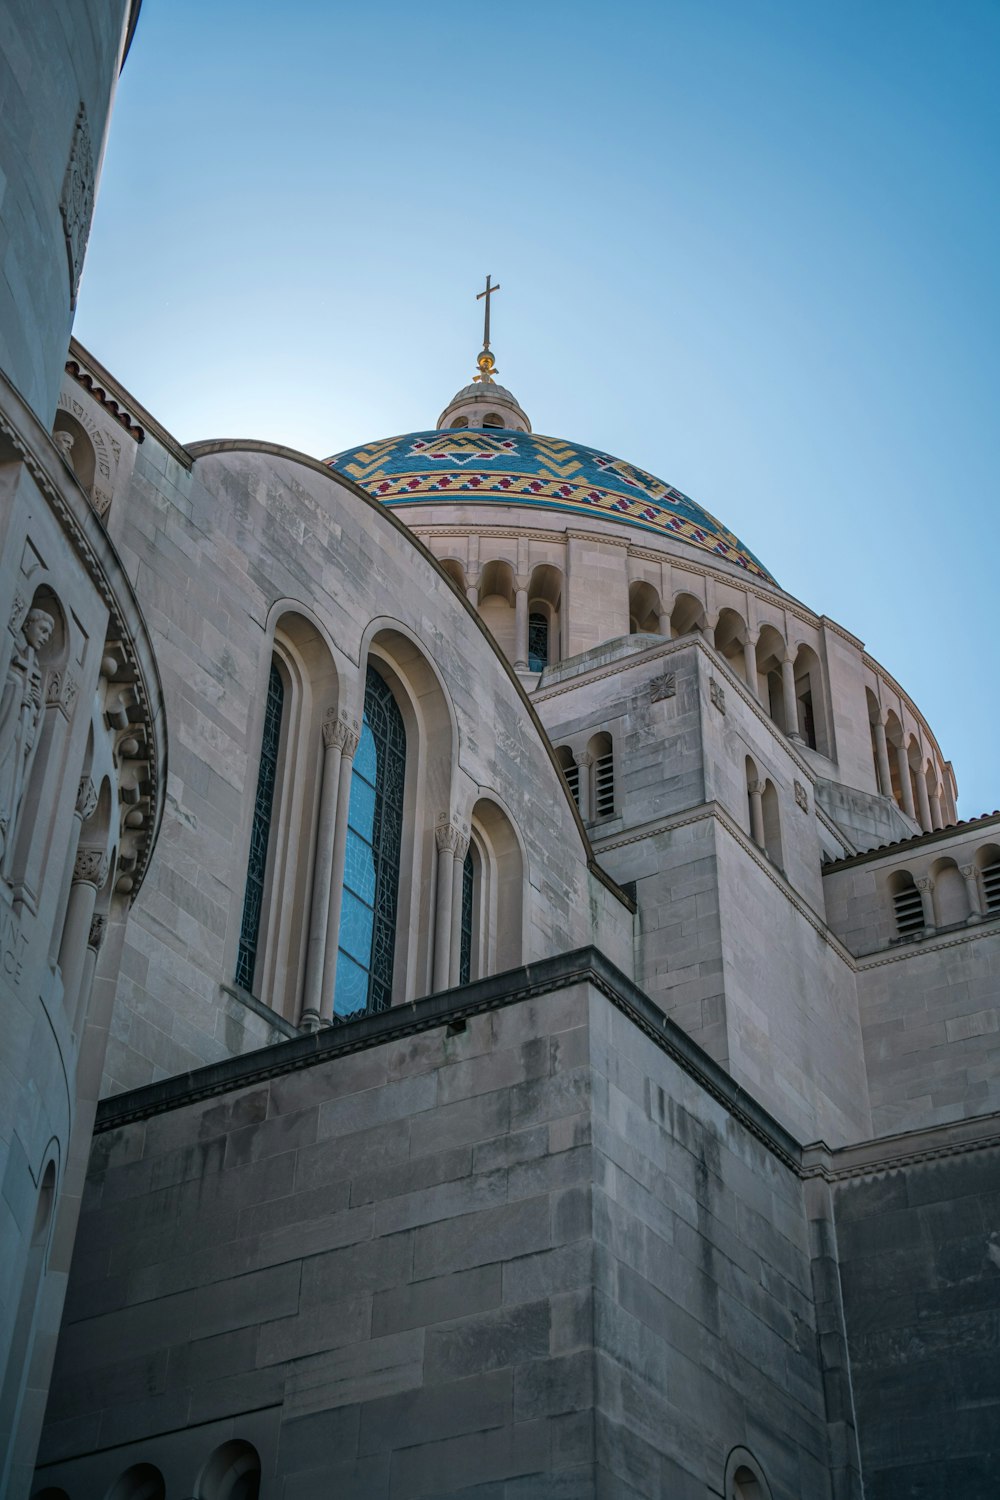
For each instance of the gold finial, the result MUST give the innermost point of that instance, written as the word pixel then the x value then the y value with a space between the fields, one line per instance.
pixel 485 361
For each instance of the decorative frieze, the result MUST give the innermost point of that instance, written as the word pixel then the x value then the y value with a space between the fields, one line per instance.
pixel 801 796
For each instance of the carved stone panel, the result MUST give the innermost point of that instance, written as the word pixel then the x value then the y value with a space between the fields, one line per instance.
pixel 77 202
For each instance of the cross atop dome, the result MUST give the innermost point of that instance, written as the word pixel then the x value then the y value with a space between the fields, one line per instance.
pixel 484 403
pixel 486 362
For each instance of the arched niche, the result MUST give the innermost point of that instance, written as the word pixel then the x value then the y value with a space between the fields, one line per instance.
pixel 772 823
pixel 951 896
pixel 431 758
pixel 894 739
pixel 770 652
pixel 688 614
pixel 73 441
pixel 496 603
pixel 455 571
pixel 810 700
pixel 602 801
pixel 231 1473
pixel 570 769
pixel 643 609
pixel 499 901
pixel 907 904
pixel 730 633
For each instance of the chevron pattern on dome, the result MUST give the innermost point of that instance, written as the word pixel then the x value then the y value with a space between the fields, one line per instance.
pixel 519 468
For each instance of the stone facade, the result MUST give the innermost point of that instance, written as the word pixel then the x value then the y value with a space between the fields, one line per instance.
pixel 655 1149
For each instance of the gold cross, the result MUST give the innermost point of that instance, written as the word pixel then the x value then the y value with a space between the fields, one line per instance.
pixel 488 293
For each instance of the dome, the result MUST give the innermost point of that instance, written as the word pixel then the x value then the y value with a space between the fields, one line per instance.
pixel 507 467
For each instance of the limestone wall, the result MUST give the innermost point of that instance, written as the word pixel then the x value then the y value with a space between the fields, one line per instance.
pixel 919 1257
pixel 538 1245
pixel 59 65
pixel 224 556
pixel 732 939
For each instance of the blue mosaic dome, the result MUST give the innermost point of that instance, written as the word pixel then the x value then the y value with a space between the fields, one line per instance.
pixel 522 468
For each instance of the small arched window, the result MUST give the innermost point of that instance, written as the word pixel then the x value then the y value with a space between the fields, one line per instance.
pixel 371 873
pixel 460 422
pixel 907 904
pixel 140 1482
pixel 492 419
pixel 538 642
pixel 989 870
pixel 260 833
pixel 602 772
pixel 571 771
pixel 232 1473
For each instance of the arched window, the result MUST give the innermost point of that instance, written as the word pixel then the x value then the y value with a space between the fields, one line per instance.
pixel 460 422
pixel 260 833
pixel 492 419
pixel 744 1478
pixel 907 904
pixel 232 1473
pixel 468 908
pixel 951 896
pixel 570 770
pixel 988 860
pixel 371 874
pixel 538 642
pixel 603 771
pixel 140 1482
pixel 643 609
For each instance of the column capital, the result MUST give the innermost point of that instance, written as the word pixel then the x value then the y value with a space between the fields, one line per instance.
pixel 521 581
pixel 452 837
pixel 967 871
pixel 86 798
pixel 756 788
pixel 584 759
pixel 925 883
pixel 341 732
pixel 90 867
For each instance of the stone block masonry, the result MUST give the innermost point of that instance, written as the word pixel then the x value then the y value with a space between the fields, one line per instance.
pixel 523 1239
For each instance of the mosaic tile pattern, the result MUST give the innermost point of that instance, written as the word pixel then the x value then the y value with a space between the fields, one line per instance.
pixel 525 469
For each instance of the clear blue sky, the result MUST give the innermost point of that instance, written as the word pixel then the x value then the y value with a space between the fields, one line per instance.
pixel 751 246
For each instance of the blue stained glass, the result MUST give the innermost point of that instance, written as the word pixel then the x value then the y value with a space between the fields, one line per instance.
pixel 468 892
pixel 361 816
pixel 357 923
pixel 364 757
pixel 260 831
pixel 371 870
pixel 352 987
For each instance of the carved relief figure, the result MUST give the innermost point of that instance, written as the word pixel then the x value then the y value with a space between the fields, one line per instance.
pixel 20 706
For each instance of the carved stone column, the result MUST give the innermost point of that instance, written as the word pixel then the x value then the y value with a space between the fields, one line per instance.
pixel 665 623
pixel 923 803
pixel 937 817
pixel 584 761
pixel 347 743
pixel 472 589
pixel 337 730
pixel 903 767
pixel 448 838
pixel 926 889
pixel 790 701
pixel 750 663
pixel 971 877
pixel 882 757
pixel 457 888
pixel 90 871
pixel 98 926
pixel 521 624
pixel 756 791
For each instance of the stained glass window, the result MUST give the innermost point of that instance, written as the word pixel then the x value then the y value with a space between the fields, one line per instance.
pixel 260 832
pixel 371 873
pixel 465 952
pixel 538 642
